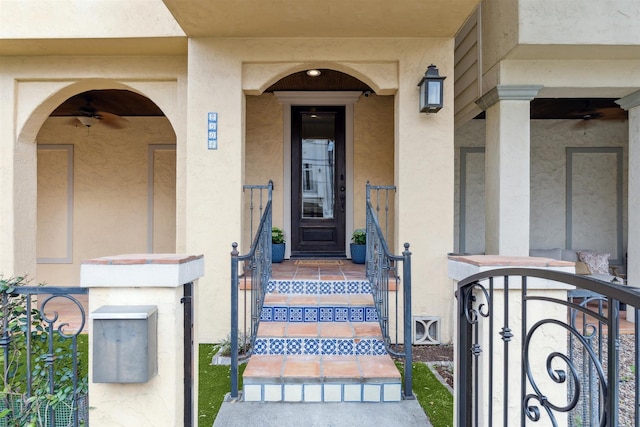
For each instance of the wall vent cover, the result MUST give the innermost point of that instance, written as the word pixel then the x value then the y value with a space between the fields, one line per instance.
pixel 426 330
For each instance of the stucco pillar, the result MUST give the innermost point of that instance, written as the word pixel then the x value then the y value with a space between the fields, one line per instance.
pixel 631 103
pixel 507 165
pixel 214 176
pixel 128 282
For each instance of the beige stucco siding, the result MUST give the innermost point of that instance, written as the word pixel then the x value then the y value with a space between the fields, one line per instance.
pixel 422 152
pixel 373 153
pixel 592 229
pixel 110 194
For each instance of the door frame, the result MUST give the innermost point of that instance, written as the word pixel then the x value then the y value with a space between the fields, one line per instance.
pixel 346 99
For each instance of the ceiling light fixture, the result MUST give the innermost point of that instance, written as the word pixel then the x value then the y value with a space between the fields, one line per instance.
pixel 313 73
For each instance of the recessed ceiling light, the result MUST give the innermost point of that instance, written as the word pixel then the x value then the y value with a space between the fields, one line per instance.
pixel 313 73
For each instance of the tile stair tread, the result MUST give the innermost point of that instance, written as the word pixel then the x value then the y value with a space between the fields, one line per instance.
pixel 320 369
pixel 355 330
pixel 296 369
pixel 273 299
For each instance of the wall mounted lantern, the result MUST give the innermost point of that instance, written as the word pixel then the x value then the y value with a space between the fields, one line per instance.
pixel 431 90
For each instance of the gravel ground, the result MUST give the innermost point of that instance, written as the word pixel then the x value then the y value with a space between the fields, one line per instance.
pixel 627 380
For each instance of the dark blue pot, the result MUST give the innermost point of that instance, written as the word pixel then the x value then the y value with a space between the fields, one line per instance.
pixel 358 253
pixel 277 252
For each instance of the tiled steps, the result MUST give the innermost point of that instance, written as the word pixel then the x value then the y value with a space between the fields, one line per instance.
pixel 320 342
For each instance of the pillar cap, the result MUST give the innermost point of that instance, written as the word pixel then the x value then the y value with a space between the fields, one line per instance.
pixel 508 93
pixel 629 101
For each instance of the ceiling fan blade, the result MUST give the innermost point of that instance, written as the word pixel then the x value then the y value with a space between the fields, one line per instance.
pixel 112 120
pixel 611 113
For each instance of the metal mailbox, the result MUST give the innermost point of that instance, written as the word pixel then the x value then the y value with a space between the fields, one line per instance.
pixel 125 343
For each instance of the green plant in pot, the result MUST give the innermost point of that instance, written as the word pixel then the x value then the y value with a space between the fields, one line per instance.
pixel 277 244
pixel 359 246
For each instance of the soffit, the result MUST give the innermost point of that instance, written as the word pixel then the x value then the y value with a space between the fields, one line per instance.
pixel 330 18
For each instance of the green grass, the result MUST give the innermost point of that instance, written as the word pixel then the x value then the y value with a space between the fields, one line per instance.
pixel 434 398
pixel 213 384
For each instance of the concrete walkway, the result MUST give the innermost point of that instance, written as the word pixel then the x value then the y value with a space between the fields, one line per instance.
pixel 406 413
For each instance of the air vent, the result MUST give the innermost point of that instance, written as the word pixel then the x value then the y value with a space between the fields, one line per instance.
pixel 426 330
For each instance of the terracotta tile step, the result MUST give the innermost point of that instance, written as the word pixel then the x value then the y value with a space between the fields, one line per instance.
pixel 321 378
pixel 318 299
pixel 276 369
pixel 319 330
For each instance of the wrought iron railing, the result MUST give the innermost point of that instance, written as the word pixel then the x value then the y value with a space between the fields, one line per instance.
pixel 383 270
pixel 251 281
pixel 529 352
pixel 42 383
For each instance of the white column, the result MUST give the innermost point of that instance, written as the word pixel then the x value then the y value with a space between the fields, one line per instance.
pixel 507 176
pixel 631 103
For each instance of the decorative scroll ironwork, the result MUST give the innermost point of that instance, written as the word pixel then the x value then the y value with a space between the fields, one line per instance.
pixel 568 350
pixel 40 364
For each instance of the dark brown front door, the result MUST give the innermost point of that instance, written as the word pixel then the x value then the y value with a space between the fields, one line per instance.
pixel 317 181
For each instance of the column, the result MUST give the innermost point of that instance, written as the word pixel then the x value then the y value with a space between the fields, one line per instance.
pixel 507 165
pixel 631 103
pixel 129 282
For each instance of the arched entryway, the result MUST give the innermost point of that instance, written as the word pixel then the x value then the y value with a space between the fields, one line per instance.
pixel 106 182
pixel 364 123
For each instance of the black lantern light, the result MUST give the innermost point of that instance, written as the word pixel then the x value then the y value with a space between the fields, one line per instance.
pixel 431 90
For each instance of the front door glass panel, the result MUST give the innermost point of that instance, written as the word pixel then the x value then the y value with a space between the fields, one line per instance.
pixel 318 165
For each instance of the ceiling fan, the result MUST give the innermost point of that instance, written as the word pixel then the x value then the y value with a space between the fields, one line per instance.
pixel 88 116
pixel 593 111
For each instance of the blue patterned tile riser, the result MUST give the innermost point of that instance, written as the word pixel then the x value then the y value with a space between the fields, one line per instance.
pixel 318 314
pixel 322 287
pixel 319 346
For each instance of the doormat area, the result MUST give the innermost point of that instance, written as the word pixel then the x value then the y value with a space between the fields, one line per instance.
pixel 318 262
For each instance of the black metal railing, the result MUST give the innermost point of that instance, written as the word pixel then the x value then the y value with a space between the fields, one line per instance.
pixel 252 282
pixel 42 380
pixel 383 273
pixel 539 346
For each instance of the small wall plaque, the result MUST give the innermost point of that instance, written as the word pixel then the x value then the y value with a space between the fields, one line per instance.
pixel 212 131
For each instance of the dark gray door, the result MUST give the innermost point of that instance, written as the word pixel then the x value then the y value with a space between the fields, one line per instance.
pixel 317 181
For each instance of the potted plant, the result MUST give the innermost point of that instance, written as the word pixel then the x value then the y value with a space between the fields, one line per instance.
pixel 277 244
pixel 359 246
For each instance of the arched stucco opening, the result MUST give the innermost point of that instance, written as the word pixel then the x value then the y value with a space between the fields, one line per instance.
pixel 96 190
pixel 369 134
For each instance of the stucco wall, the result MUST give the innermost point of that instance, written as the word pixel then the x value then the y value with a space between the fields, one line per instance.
pixel 264 158
pixel 373 155
pixel 607 22
pixel 110 211
pixel 593 220
pixel 422 151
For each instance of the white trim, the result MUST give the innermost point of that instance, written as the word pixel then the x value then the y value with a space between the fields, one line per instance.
pixel 346 99
pixel 318 98
pixel 68 259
